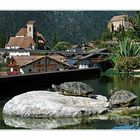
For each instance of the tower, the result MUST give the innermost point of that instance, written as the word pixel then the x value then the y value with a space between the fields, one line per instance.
pixel 30 28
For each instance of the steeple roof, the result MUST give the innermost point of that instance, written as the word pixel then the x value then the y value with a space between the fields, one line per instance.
pixel 30 22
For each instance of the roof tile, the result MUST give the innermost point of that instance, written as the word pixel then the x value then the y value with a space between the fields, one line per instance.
pixel 25 60
pixel 22 42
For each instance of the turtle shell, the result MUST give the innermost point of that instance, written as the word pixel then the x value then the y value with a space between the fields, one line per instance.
pixel 121 97
pixel 75 89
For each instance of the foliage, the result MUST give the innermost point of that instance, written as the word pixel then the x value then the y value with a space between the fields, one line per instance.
pixel 96 42
pixel 3 67
pixel 2 40
pixel 127 48
pixel 127 64
pixel 72 26
pixel 130 33
pixel 102 45
pixel 106 35
pixel 113 58
pixel 120 34
pixel 135 20
pixel 62 46
pixel 126 56
pixel 55 40
pixel 111 72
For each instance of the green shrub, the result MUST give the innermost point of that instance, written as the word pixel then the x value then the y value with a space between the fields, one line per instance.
pixel 127 48
pixel 127 64
pixel 62 46
pixel 126 56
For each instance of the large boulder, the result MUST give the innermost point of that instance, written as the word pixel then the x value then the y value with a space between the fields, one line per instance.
pixel 40 104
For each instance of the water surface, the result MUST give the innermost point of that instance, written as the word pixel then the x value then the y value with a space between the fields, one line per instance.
pixel 101 86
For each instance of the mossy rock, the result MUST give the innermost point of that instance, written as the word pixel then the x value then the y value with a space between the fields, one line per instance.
pixel 129 111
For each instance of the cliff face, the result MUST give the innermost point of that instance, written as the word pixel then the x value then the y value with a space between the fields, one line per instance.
pixel 72 26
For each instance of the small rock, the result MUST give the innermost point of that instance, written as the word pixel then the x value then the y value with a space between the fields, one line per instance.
pixel 133 111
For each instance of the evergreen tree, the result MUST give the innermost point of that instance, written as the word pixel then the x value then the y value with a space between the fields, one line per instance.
pixel 62 46
pixel 55 39
pixel 106 35
pixel 135 20
pixel 2 40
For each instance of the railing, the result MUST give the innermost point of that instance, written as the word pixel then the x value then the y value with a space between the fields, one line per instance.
pixel 98 59
pixel 49 51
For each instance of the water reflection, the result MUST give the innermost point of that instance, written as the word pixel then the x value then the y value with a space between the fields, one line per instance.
pixel 96 122
pixel 101 85
pixel 126 122
pixel 40 123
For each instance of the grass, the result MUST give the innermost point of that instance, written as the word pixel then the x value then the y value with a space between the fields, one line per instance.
pixel 3 68
pixel 113 72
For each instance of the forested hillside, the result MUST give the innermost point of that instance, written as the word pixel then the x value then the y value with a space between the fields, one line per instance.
pixel 75 27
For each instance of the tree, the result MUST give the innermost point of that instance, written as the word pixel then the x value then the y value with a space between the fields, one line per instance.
pixel 127 55
pixel 106 35
pixel 2 40
pixel 55 40
pixel 62 46
pixel 120 33
pixel 135 21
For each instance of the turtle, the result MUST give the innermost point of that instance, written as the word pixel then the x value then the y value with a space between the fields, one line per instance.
pixel 74 89
pixel 121 98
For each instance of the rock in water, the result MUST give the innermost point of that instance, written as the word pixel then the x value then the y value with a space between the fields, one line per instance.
pixel 122 98
pixel 74 89
pixel 52 104
pixel 40 123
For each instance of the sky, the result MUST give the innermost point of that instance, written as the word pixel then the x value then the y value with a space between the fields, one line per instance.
pixel 69 5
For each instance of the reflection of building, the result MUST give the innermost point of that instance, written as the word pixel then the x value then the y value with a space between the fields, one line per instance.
pixel 118 22
pixel 26 38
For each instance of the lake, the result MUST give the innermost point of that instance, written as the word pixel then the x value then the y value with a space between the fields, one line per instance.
pixel 101 85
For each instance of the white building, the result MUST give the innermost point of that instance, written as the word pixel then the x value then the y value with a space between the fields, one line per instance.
pixel 118 22
pixel 26 39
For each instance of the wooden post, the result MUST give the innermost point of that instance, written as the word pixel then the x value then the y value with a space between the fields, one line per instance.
pixel 77 62
pixel 45 62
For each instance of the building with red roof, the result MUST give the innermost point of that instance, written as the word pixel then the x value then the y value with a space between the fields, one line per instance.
pixel 27 38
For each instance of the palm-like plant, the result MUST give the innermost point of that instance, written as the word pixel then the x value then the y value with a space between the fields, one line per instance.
pixel 127 48
pixel 126 56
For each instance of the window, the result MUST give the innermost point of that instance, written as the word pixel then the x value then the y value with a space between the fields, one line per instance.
pixel 30 29
pixel 30 70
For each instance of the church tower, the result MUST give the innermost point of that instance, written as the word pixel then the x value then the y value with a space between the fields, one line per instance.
pixel 30 28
